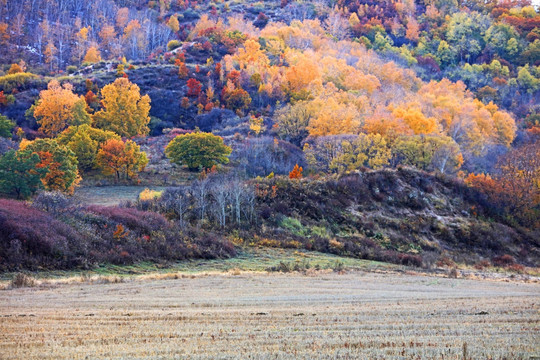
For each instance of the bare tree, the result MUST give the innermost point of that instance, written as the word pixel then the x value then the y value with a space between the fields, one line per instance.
pixel 221 197
pixel 201 189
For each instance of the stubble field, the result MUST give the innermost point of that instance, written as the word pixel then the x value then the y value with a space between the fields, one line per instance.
pixel 274 316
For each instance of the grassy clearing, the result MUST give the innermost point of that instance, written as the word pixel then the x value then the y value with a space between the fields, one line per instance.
pixel 251 259
pixel 111 195
pixel 274 316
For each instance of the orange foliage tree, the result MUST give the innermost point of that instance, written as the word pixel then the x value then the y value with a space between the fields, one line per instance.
pixel 58 107
pixel 296 172
pixel 92 55
pixel 121 158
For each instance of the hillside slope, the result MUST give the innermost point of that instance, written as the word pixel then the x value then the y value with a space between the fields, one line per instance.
pixel 399 215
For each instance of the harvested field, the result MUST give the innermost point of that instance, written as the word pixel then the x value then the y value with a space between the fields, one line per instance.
pixel 274 316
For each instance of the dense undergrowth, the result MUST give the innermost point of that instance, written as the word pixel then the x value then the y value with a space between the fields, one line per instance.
pixel 71 236
pixel 400 216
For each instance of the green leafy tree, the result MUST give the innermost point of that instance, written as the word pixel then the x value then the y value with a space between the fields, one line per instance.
pixel 198 150
pixel 531 53
pixel 342 153
pixel 85 141
pixel 19 174
pixel 502 38
pixel 465 33
pixel 428 153
pixel 63 174
pixel 368 150
pixel 291 122
pixel 527 80
pixel 6 127
pixel 445 54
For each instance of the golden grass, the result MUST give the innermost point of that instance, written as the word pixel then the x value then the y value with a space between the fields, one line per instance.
pixel 279 316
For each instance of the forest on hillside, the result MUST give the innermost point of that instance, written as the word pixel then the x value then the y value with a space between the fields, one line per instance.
pixel 395 130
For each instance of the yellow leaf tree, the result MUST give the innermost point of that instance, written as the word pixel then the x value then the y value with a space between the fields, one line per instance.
pixel 125 110
pixel 412 115
pixel 92 55
pixel 58 107
pixel 468 121
pixel 173 23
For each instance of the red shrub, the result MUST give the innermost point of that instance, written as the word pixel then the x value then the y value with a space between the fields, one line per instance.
pixel 504 260
pixel 30 237
pixel 135 220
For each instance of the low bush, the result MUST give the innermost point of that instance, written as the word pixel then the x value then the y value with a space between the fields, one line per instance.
pixel 173 44
pixel 17 81
pixel 31 238
pixel 503 260
pixel 22 280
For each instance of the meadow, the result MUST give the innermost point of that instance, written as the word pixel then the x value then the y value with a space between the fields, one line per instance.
pixel 111 195
pixel 317 315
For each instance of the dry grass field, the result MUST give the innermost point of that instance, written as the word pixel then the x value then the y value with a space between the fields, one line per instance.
pixel 110 195
pixel 324 315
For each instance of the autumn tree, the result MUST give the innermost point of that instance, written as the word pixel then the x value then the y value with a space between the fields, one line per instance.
pixel 412 32
pixel 14 69
pixel 194 87
pixel 61 162
pixel 58 107
pixel 6 100
pixel 121 159
pixel 50 54
pixel 472 124
pixel 519 177
pixel 107 35
pixel 173 23
pixel 134 38
pixel 296 172
pixel 332 116
pixel 19 174
pixel 291 122
pixel 428 152
pixel 125 110
pixel 236 99
pixel 198 150
pixel 92 100
pixel 183 71
pixel 299 75
pixel 4 35
pixel 85 142
pixel 413 116
pixel 82 39
pixel 92 55
pixel 122 17
pixel 488 186
pixel 342 153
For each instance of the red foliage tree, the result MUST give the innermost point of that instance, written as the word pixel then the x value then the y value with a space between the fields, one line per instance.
pixel 194 87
